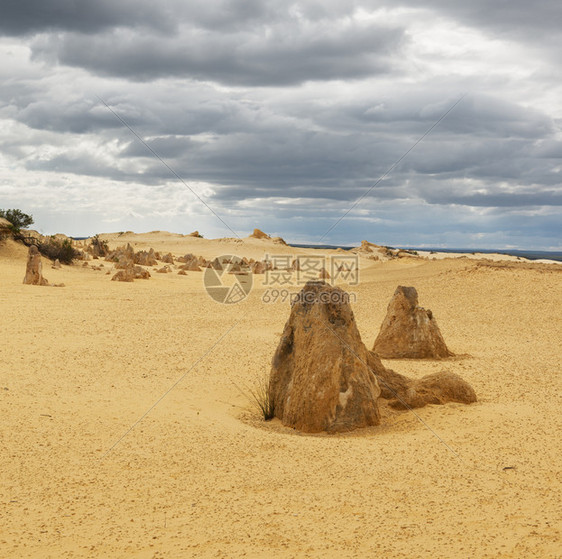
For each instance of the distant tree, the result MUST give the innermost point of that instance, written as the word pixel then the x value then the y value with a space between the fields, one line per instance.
pixel 17 218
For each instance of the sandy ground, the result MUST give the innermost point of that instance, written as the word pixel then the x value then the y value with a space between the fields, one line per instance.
pixel 126 430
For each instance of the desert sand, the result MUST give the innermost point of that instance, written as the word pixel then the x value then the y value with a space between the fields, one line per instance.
pixel 127 430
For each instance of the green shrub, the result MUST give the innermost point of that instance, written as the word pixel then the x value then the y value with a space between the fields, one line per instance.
pixel 63 250
pixel 17 218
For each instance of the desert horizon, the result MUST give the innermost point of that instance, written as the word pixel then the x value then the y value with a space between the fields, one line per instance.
pixel 129 427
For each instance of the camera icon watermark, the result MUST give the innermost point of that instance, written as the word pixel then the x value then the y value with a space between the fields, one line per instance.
pixel 228 279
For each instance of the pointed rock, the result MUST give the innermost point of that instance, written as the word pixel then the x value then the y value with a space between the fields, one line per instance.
pixel 409 331
pixel 34 268
pixel 259 234
pixel 320 380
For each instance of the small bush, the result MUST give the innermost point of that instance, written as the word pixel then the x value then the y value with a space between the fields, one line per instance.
pixel 261 397
pixel 63 250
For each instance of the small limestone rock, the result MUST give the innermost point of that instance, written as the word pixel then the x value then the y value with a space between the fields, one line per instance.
pixel 258 234
pixel 192 266
pixel 126 274
pixel 258 267
pixel 131 273
pixel 405 393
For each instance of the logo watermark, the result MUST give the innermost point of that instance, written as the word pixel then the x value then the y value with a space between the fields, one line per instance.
pixel 229 279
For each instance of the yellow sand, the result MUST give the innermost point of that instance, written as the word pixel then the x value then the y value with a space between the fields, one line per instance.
pixel 125 430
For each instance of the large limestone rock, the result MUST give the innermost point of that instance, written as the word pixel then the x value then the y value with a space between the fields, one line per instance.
pixel 320 380
pixel 409 331
pixel 34 269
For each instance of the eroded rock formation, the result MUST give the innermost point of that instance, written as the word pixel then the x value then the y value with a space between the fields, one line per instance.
pixel 408 330
pixel 323 378
pixel 34 268
pixel 320 380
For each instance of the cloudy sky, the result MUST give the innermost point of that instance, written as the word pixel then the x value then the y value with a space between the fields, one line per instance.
pixel 443 118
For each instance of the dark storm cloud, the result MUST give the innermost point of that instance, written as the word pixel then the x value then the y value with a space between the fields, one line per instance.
pixel 20 17
pixel 77 116
pixel 278 55
pixel 250 157
pixel 293 110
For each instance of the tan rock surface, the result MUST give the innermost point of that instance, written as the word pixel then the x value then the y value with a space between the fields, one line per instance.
pixel 405 393
pixel 258 234
pixel 319 379
pixel 408 330
pixel 34 268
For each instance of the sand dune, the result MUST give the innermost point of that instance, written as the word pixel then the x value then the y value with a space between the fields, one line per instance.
pixel 126 431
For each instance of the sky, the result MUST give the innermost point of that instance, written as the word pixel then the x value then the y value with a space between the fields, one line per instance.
pixel 406 123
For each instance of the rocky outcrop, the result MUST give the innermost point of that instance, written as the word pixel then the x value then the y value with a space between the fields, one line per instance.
pixel 167 258
pixel 408 393
pixel 123 255
pixel 187 258
pixel 320 380
pixel 164 270
pixel 258 234
pixel 409 331
pixel 131 273
pixel 192 262
pixel 324 379
pixel 34 268
pixel 145 258
pixel 125 274
pixel 191 266
pixel 258 267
